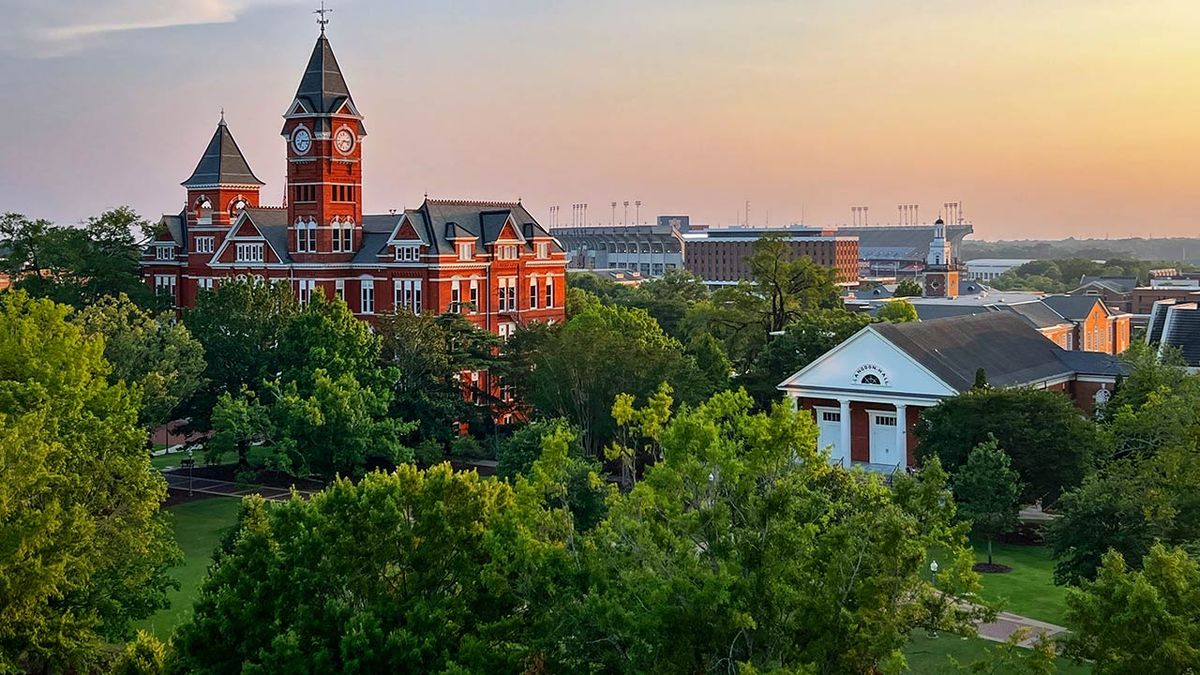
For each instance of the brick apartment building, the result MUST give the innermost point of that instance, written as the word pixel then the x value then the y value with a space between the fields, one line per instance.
pixel 718 255
pixel 489 260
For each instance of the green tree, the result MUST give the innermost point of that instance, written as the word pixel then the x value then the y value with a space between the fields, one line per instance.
pixel 668 299
pixel 712 365
pixel 518 452
pixel 745 316
pixel 325 335
pixel 1145 621
pixel 1126 507
pixel 908 288
pixel 1051 445
pixel 392 574
pixel 240 325
pixel 802 342
pixel 76 265
pixel 238 422
pixel 156 353
pixel 897 311
pixel 988 492
pixel 575 370
pixel 742 550
pixel 429 355
pixel 85 547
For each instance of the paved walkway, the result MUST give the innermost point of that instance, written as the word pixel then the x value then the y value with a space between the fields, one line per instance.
pixel 1007 623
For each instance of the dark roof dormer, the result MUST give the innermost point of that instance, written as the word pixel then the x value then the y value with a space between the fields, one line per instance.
pixel 222 163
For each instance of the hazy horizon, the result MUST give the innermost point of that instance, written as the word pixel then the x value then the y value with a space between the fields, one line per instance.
pixel 1046 122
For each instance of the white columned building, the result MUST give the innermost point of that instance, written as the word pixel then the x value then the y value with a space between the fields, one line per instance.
pixel 867 394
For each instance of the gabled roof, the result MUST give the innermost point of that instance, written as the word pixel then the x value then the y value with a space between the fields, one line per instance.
pixel 222 162
pixel 482 221
pixel 1036 312
pixel 1114 284
pixel 270 222
pixel 1073 307
pixel 323 90
pixel 932 312
pixel 1011 352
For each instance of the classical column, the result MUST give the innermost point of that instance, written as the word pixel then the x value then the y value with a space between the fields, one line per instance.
pixel 844 431
pixel 902 433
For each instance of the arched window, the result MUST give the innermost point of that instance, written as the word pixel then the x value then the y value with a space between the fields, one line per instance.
pixel 870 379
pixel 204 211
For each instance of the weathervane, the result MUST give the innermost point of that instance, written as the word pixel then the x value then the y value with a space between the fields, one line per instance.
pixel 323 20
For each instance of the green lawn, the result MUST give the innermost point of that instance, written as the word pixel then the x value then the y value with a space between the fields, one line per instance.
pixel 1029 588
pixel 198 527
pixel 167 461
pixel 929 656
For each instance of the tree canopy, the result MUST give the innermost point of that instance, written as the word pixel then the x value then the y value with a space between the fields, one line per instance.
pixel 897 311
pixel 157 353
pixel 85 547
pixel 1051 444
pixel 741 549
pixel 76 265
pixel 988 492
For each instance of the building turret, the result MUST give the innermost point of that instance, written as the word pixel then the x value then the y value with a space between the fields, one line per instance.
pixel 222 184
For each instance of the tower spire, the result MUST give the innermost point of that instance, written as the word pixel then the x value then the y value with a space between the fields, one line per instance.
pixel 324 20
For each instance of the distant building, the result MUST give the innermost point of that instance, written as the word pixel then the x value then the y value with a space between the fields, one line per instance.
pixel 1116 292
pixel 867 393
pixel 1143 298
pixel 718 255
pixel 986 269
pixel 650 250
pixel 617 276
pixel 901 250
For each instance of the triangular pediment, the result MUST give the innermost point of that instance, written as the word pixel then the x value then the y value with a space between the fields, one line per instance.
pixel 298 109
pixel 510 231
pixel 406 232
pixel 867 353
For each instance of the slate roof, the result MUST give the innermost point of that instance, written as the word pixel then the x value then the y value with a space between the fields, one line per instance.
pixel 933 312
pixel 1114 284
pixel 323 88
pixel 273 224
pixel 1073 307
pixel 222 162
pixel 1037 313
pixel 1010 351
pixel 1093 363
pixel 479 220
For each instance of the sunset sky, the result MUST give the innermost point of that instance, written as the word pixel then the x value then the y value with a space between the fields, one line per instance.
pixel 1046 119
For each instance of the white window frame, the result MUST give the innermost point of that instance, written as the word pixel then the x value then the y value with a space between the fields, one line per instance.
pixel 304 290
pixel 205 244
pixel 533 292
pixel 206 284
pixel 164 284
pixel 249 252
pixel 405 253
pixel 549 292
pixel 543 250
pixel 339 289
pixel 455 297
pixel 164 252
pixel 366 296
pixel 473 298
pixel 465 251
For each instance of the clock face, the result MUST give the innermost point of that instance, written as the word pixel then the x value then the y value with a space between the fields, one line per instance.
pixel 301 140
pixel 344 140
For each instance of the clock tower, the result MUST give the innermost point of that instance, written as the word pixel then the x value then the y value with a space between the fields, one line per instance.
pixel 941 271
pixel 323 131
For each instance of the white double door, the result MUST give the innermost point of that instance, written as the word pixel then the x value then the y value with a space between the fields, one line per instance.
pixel 885 448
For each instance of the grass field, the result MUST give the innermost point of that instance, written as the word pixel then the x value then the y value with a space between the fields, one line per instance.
pixel 930 655
pixel 198 527
pixel 1029 588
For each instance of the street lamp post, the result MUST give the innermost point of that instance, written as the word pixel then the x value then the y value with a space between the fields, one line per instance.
pixel 933 568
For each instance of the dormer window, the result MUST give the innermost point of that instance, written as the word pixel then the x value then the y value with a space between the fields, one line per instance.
pixel 407 253
pixel 164 252
pixel 507 252
pixel 466 251
pixel 249 252
pixel 543 251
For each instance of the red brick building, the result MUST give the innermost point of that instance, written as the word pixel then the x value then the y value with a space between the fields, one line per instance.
pixel 718 255
pixel 867 393
pixel 490 260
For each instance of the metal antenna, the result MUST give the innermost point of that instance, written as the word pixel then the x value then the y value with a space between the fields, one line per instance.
pixel 324 20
